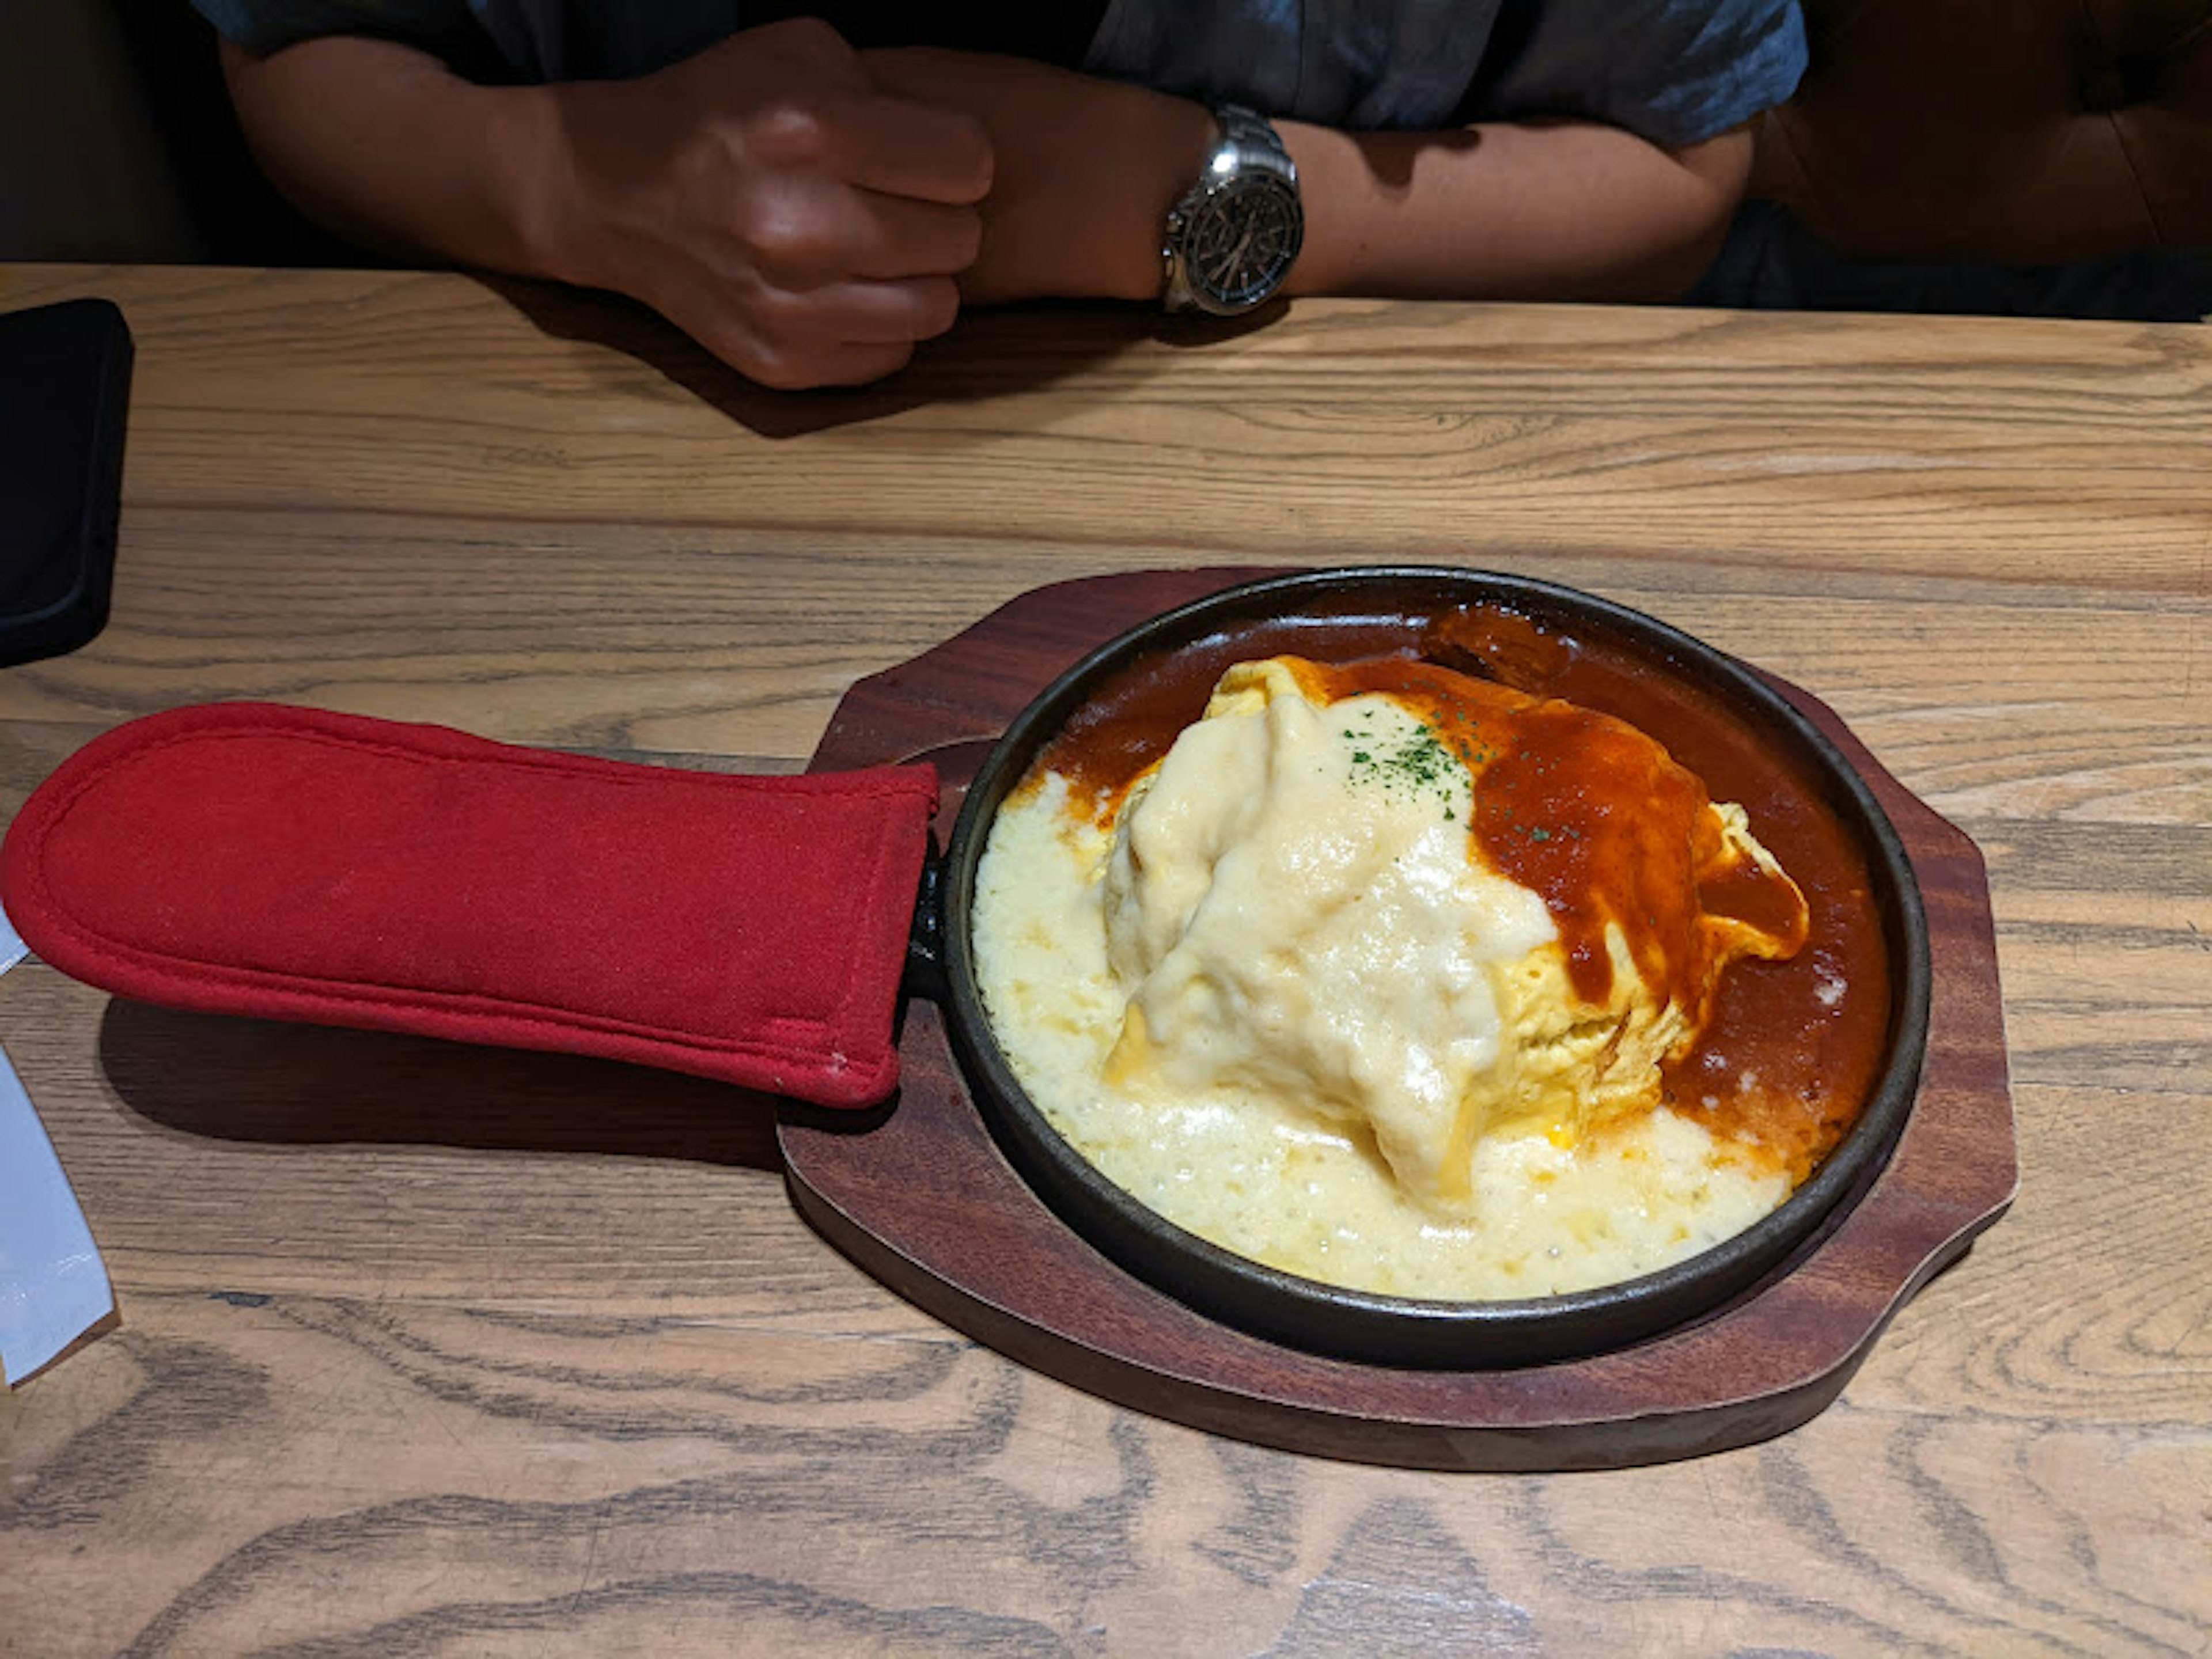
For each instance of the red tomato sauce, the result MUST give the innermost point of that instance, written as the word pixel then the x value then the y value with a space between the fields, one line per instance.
pixel 1572 803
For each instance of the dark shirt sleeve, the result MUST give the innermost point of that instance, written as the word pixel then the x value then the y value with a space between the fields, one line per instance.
pixel 1674 71
pixel 573 39
pixel 494 40
pixel 449 28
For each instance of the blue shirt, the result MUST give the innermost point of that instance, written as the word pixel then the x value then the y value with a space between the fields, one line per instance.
pixel 1674 71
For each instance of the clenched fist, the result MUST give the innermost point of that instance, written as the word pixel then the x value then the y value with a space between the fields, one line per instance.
pixel 768 200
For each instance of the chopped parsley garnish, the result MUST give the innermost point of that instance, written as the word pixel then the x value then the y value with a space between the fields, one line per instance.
pixel 1420 761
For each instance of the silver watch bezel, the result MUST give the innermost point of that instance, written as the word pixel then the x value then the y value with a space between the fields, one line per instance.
pixel 1247 170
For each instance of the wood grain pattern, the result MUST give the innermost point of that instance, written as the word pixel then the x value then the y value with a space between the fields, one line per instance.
pixel 435 1352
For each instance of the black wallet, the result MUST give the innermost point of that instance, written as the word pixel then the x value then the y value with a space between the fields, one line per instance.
pixel 64 390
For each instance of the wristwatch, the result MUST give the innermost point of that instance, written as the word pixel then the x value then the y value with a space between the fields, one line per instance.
pixel 1230 238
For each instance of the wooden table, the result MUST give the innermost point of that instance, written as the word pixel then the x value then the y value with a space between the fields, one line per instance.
pixel 428 1351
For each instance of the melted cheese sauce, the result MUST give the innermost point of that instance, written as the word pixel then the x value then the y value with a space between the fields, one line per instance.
pixel 1244 1136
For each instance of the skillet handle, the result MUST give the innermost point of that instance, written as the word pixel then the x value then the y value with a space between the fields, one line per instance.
pixel 291 864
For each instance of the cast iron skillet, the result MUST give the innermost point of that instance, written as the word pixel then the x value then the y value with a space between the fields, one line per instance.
pixel 1364 1325
pixel 194 812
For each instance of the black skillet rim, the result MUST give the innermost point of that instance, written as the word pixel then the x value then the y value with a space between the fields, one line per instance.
pixel 1364 1325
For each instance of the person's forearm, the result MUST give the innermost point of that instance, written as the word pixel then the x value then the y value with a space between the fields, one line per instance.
pixel 1087 169
pixel 387 148
pixel 1553 210
pixel 1550 212
pixel 764 195
pixel 803 210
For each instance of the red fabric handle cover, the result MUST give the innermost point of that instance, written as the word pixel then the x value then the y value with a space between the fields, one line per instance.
pixel 286 863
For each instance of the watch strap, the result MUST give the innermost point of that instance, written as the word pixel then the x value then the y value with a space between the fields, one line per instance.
pixel 1246 142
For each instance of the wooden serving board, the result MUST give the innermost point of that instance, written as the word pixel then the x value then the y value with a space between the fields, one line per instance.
pixel 920 1196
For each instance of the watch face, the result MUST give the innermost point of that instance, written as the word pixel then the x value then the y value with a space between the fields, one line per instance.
pixel 1239 240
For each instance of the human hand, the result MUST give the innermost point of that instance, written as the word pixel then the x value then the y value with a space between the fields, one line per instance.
pixel 1085 173
pixel 770 200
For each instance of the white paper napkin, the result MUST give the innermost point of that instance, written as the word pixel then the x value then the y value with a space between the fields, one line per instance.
pixel 53 1286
